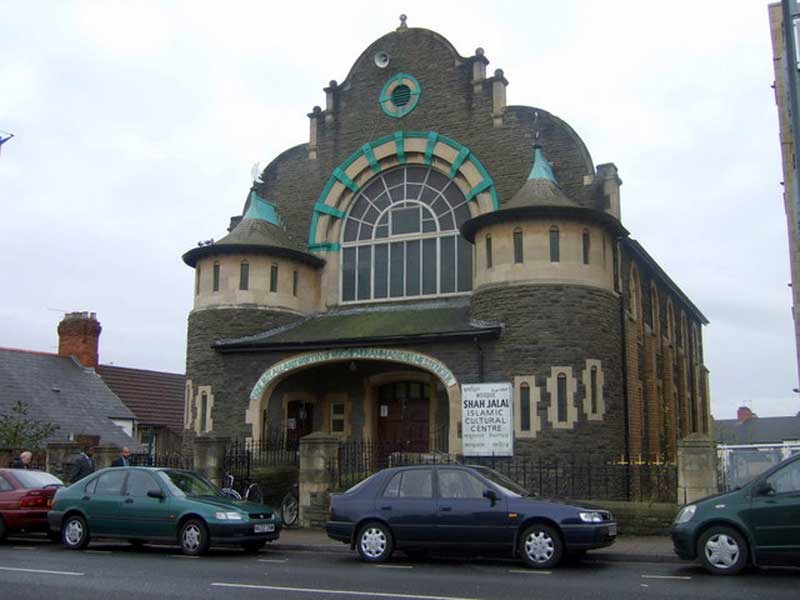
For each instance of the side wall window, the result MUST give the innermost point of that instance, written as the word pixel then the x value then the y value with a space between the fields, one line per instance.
pixel 244 275
pixel 587 240
pixel 215 286
pixel 273 278
pixel 488 252
pixel 555 251
pixel 519 253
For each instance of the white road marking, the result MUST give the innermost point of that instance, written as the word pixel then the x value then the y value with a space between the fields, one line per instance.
pixel 97 552
pixel 45 571
pixel 530 572
pixel 394 566
pixel 276 588
pixel 666 577
pixel 183 556
pixel 273 560
pixel 23 547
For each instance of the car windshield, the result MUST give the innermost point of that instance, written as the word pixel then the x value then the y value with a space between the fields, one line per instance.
pixel 506 485
pixel 36 479
pixel 184 483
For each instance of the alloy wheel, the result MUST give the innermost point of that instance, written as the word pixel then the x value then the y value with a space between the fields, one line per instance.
pixel 539 546
pixel 192 537
pixel 373 542
pixel 722 551
pixel 74 532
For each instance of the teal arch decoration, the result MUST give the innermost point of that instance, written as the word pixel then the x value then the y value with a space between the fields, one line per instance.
pixel 400 95
pixel 463 154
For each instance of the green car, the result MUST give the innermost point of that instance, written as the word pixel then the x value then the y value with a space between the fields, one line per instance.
pixel 142 504
pixel 757 524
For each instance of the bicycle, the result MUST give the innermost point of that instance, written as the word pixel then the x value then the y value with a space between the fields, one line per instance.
pixel 253 493
pixel 290 507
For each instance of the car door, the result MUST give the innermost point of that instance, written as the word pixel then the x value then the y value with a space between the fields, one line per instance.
pixel 465 515
pixel 774 514
pixel 102 500
pixel 9 500
pixel 408 505
pixel 142 516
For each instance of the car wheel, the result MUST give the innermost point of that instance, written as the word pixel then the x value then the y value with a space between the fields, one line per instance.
pixel 375 543
pixel 540 546
pixel 253 547
pixel 193 538
pixel 75 533
pixel 722 551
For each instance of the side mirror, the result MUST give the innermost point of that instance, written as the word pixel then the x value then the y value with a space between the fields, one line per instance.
pixel 490 494
pixel 156 494
pixel 764 489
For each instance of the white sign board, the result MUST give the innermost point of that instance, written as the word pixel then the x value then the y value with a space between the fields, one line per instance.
pixel 487 424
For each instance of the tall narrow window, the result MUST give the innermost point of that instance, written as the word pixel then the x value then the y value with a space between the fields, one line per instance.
pixel 524 407
pixel 554 245
pixel 294 283
pixel 244 275
pixel 337 417
pixel 203 411
pixel 488 252
pixel 273 278
pixel 561 392
pixel 216 277
pixel 587 240
pixel 593 390
pixel 197 281
pixel 518 251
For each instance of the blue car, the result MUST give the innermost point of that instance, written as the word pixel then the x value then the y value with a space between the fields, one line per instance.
pixel 421 507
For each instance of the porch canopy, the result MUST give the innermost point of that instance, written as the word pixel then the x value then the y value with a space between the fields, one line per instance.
pixel 416 324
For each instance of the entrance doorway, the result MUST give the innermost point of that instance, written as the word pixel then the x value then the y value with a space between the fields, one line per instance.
pixel 403 416
pixel 299 422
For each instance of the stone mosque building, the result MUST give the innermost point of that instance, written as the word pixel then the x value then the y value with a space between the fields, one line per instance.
pixel 426 236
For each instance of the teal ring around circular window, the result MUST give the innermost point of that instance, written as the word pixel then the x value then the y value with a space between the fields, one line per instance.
pixel 400 95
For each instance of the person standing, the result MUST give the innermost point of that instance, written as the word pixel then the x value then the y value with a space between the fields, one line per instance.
pixel 122 460
pixel 84 464
pixel 24 461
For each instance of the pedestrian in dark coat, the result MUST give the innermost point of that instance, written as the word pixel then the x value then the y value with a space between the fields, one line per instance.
pixel 122 460
pixel 23 461
pixel 84 464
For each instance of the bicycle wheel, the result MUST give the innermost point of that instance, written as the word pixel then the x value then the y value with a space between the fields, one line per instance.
pixel 289 510
pixel 254 493
pixel 231 493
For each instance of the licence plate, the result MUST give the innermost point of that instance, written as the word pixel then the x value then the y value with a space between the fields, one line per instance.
pixel 612 530
pixel 264 528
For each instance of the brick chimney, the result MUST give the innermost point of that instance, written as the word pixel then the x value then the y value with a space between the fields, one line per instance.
pixel 744 413
pixel 78 336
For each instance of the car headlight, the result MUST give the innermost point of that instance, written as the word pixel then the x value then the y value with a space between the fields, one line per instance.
pixel 591 517
pixel 228 516
pixel 686 514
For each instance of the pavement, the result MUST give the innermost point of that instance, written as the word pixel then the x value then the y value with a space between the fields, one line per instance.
pixel 654 548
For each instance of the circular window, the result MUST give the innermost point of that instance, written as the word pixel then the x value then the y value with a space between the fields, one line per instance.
pixel 400 95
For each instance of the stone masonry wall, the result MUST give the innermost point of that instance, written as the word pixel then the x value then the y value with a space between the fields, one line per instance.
pixel 558 325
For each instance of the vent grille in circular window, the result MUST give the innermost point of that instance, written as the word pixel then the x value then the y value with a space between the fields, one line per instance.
pixel 400 95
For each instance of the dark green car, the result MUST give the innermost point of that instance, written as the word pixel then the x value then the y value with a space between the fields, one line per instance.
pixel 757 524
pixel 142 504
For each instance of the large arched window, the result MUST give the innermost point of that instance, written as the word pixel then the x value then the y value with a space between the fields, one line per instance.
pixel 400 238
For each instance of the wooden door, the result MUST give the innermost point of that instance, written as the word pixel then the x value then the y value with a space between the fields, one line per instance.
pixel 403 416
pixel 299 422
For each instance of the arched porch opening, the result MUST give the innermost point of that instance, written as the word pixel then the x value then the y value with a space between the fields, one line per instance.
pixel 405 400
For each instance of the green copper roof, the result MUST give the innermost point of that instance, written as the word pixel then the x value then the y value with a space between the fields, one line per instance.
pixel 541 168
pixel 263 210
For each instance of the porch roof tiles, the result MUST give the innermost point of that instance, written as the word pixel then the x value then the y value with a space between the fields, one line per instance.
pixel 369 326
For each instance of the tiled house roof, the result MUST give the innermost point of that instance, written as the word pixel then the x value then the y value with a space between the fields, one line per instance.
pixel 757 430
pixel 155 397
pixel 59 390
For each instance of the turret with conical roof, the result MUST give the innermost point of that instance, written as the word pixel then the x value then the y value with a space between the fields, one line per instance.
pixel 541 235
pixel 256 264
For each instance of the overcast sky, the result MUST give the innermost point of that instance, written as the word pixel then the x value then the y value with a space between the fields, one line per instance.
pixel 137 123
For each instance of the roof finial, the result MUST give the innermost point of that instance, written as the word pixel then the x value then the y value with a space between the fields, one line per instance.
pixel 541 167
pixel 403 22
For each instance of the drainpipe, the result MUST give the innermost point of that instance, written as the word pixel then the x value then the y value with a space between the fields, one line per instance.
pixel 621 291
pixel 480 359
